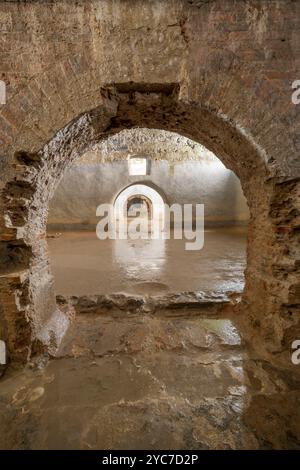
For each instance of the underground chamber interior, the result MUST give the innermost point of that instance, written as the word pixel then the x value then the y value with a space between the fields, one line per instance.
pixel 117 118
pixel 153 356
pixel 141 174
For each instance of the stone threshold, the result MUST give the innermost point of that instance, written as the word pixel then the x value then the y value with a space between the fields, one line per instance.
pixel 195 303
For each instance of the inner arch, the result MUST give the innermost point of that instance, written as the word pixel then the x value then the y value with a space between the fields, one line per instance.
pixel 156 200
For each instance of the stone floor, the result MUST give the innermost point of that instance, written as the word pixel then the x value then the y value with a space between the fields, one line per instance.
pixel 156 381
pixel 84 265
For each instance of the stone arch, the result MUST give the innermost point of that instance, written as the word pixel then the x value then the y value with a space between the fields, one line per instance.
pixel 141 200
pixel 141 189
pixel 32 321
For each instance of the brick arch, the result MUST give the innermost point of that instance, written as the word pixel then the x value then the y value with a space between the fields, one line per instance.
pixel 32 321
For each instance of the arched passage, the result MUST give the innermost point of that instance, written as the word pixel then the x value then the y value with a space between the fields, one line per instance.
pixel 139 204
pixel 32 320
pixel 156 209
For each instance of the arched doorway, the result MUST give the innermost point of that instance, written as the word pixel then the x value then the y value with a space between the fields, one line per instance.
pixel 221 73
pixel 143 200
pixel 25 217
pixel 139 204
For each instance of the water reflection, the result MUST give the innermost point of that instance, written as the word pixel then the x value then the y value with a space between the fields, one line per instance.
pixel 141 260
pixel 83 264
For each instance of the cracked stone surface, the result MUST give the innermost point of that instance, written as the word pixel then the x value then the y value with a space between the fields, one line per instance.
pixel 126 380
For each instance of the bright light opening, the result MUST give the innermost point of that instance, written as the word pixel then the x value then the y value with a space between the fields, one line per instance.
pixel 138 166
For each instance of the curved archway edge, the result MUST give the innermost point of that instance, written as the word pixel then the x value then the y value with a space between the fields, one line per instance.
pixel 31 319
pixel 141 189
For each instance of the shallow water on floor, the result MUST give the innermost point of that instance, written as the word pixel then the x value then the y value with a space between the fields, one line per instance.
pixel 84 265
pixel 123 381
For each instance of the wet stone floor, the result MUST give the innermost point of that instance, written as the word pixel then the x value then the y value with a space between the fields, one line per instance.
pixel 141 381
